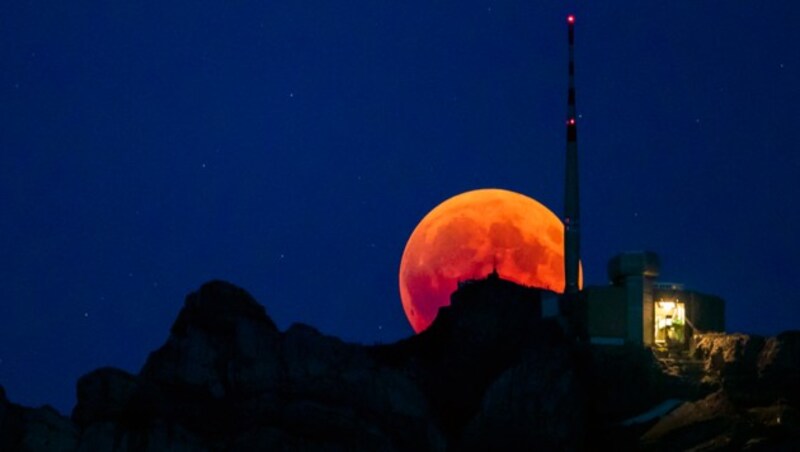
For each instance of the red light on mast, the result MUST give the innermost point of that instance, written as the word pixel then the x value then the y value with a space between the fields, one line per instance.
pixel 571 121
pixel 570 19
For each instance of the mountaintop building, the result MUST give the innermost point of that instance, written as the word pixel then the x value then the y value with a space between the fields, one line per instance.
pixel 636 308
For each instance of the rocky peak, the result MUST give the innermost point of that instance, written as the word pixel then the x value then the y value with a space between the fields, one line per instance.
pixel 221 343
pixel 217 308
pixel 489 374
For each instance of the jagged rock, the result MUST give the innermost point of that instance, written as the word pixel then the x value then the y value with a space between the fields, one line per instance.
pixel 536 405
pixel 781 354
pixel 312 360
pixel 319 366
pixel 354 388
pixel 717 423
pixel 109 436
pixel 46 430
pixel 779 367
pixel 217 308
pixel 34 429
pixel 222 343
pixel 335 425
pixel 250 378
pixel 490 373
pixel 11 423
pixel 703 422
pixel 756 409
pixel 103 395
pixel 728 354
pixel 625 381
pixel 3 404
pixel 753 370
pixel 469 345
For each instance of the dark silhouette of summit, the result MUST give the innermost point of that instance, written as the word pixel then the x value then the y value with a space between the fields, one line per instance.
pixel 491 373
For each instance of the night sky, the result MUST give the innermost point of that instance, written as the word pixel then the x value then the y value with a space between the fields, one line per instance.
pixel 292 147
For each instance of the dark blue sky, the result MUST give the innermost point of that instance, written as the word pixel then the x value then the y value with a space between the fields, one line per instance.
pixel 292 147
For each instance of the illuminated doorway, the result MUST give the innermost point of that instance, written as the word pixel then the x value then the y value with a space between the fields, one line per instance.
pixel 670 322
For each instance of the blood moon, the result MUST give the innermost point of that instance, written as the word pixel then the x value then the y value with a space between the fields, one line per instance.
pixel 466 236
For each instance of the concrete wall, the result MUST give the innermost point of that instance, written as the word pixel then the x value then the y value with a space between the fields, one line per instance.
pixel 626 308
pixel 606 312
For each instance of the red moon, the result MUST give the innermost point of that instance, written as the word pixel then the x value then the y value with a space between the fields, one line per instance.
pixel 466 236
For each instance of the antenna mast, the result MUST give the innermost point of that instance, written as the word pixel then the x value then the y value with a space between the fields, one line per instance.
pixel 572 238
